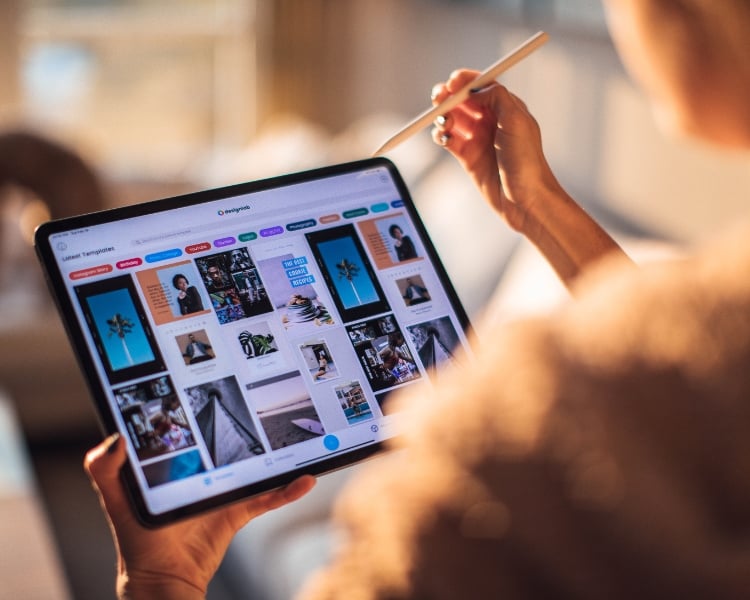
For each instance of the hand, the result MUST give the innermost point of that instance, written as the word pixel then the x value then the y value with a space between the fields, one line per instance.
pixel 174 561
pixel 498 142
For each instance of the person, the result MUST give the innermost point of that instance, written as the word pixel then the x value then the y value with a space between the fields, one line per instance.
pixel 405 249
pixel 598 452
pixel 322 367
pixel 217 282
pixel 197 351
pixel 188 297
pixel 415 293
pixel 170 435
pixel 171 407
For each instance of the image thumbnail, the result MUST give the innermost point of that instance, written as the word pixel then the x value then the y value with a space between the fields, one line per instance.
pixel 383 352
pixel 118 324
pixel 286 411
pixel 234 285
pixel 353 402
pixel 435 341
pixel 257 340
pixel 187 297
pixel 173 468
pixel 403 247
pixel 154 417
pixel 320 363
pixel 195 347
pixel 171 292
pixel 294 292
pixel 348 272
pixel 413 290
pixel 390 240
pixel 224 421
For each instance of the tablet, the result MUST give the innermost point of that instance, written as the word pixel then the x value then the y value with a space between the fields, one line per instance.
pixel 240 337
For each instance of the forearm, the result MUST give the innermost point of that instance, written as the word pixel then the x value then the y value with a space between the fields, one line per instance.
pixel 566 235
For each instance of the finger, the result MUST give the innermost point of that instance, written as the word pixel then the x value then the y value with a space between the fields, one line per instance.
pixel 240 514
pixel 440 137
pixel 443 122
pixel 298 488
pixel 289 493
pixel 518 102
pixel 459 78
pixel 103 464
pixel 439 93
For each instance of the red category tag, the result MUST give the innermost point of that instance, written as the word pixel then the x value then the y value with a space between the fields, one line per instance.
pixel 93 271
pixel 198 248
pixel 131 262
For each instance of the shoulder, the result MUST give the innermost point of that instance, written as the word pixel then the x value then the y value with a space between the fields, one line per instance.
pixel 590 422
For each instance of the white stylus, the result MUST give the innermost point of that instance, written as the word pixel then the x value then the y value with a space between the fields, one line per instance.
pixel 487 76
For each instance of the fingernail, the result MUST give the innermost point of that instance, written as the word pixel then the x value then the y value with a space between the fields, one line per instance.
pixel 112 442
pixel 435 91
pixel 479 89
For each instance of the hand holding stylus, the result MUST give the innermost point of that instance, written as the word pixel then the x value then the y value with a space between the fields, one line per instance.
pixel 487 76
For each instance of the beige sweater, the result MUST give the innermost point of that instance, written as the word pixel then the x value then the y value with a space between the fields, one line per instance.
pixel 603 452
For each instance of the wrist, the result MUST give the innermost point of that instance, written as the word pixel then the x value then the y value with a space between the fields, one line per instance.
pixel 156 585
pixel 546 209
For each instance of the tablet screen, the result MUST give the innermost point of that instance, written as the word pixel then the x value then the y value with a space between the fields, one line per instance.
pixel 242 336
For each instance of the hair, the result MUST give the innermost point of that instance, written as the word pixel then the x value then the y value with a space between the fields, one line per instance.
pixel 393 228
pixel 157 419
pixel 718 27
pixel 704 43
pixel 177 277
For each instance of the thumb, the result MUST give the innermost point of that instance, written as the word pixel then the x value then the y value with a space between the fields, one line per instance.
pixel 103 464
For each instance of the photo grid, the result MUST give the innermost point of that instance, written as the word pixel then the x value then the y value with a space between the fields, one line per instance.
pixel 263 314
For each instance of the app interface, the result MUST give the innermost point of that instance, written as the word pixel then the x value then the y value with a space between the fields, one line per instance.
pixel 248 336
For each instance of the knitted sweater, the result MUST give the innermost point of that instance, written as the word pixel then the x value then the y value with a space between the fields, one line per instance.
pixel 600 452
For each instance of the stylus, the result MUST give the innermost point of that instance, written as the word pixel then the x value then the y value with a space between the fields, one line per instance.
pixel 487 76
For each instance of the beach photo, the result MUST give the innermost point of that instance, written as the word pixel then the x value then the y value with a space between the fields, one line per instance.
pixel 285 409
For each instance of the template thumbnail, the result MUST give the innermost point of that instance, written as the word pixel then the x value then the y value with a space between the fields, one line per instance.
pixel 353 402
pixel 348 273
pixel 435 341
pixel 224 421
pixel 120 329
pixel 234 285
pixel 286 411
pixel 383 353
pixel 154 417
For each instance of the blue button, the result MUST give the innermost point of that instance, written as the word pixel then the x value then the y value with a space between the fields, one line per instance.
pixel 165 255
pixel 331 442
pixel 301 225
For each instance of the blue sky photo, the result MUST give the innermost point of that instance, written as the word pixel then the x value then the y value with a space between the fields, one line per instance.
pixel 104 307
pixel 333 252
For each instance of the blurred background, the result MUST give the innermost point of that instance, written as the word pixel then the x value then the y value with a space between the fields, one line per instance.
pixel 111 102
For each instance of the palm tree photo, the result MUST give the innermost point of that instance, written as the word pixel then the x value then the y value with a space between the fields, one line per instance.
pixel 121 326
pixel 348 270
